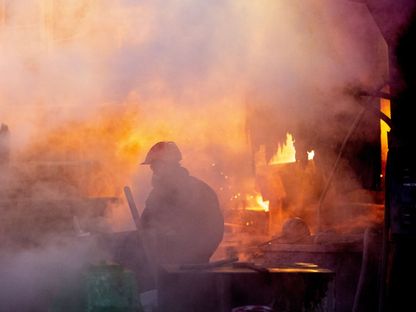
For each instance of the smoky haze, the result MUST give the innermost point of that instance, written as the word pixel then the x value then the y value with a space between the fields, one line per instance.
pixel 96 83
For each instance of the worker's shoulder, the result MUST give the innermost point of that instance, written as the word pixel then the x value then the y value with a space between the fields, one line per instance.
pixel 199 182
pixel 201 185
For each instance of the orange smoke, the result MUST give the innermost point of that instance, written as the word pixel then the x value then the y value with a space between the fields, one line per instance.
pixel 111 141
pixel 108 145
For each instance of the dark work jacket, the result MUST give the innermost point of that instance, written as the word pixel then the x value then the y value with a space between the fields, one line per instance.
pixel 182 219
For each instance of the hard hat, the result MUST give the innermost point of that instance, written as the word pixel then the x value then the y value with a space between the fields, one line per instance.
pixel 165 151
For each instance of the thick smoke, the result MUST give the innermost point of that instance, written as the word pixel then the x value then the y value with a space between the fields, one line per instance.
pixel 181 59
pixel 96 83
pixel 33 280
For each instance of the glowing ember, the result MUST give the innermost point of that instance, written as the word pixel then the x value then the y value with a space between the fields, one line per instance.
pixel 311 155
pixel 262 203
pixel 256 203
pixel 250 202
pixel 285 153
pixel 384 129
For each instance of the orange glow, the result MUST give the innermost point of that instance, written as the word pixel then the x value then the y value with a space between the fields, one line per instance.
pixel 107 149
pixel 311 155
pixel 100 153
pixel 384 129
pixel 252 202
pixel 64 60
pixel 256 203
pixel 286 153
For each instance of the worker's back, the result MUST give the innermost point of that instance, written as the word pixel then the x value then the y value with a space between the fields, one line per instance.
pixel 184 216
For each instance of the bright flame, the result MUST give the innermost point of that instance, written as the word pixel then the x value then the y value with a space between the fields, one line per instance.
pixel 256 203
pixel 311 155
pixel 262 203
pixel 384 129
pixel 250 202
pixel 286 153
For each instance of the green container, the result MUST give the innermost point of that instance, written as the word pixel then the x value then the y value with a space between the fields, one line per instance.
pixel 110 288
pixel 103 287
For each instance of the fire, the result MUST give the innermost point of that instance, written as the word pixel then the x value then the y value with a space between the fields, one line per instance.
pixel 253 202
pixel 262 203
pixel 256 203
pixel 311 155
pixel 384 129
pixel 286 153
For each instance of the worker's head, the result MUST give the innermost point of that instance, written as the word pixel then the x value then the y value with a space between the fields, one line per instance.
pixel 163 154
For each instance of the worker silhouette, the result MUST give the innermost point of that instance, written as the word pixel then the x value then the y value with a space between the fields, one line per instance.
pixel 182 222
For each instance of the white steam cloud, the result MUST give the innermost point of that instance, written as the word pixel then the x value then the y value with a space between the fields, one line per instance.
pixel 104 80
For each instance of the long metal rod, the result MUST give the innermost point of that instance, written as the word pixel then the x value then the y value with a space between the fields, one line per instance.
pixel 133 209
